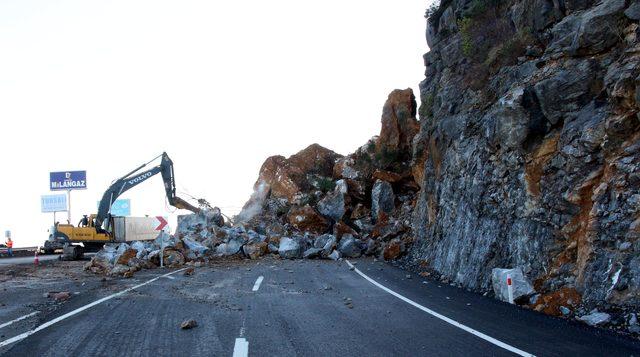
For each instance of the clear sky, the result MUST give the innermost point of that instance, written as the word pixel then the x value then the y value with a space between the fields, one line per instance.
pixel 104 86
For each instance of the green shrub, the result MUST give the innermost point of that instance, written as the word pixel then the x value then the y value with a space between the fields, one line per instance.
pixel 326 184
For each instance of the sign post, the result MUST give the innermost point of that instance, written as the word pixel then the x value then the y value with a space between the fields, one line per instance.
pixel 68 180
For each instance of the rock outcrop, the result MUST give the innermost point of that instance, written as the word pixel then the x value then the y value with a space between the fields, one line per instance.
pixel 529 148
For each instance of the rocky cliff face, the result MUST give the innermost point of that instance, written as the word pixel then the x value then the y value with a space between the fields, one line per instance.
pixel 528 153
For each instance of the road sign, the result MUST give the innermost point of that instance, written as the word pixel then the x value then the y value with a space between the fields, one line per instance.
pixel 162 223
pixel 68 180
pixel 53 203
pixel 120 208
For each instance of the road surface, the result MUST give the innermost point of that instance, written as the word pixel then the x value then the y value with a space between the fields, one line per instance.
pixel 289 308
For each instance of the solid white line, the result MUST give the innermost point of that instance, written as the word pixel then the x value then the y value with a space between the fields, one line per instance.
pixel 256 286
pixel 22 336
pixel 18 319
pixel 442 317
pixel 241 348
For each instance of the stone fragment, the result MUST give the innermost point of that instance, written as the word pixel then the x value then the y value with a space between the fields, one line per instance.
pixel 335 255
pixel 326 243
pixel 522 288
pixel 232 247
pixel 333 204
pixel 188 324
pixel 307 219
pixel 311 253
pixel 387 176
pixel 348 247
pixel 595 318
pixel 255 250
pixel 382 198
pixel 399 123
pixel 289 248
pixel 60 295
pixel 392 250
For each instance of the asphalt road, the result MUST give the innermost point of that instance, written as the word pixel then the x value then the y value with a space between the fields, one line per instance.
pixel 299 308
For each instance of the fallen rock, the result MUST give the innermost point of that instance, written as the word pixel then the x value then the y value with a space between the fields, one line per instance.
pixel 188 324
pixel 382 199
pixel 348 247
pixel 60 295
pixel 335 255
pixel 289 248
pixel 595 318
pixel 255 250
pixel 231 247
pixel 392 250
pixel 311 253
pixel 307 219
pixel 399 123
pixel 333 204
pixel 326 243
pixel 522 288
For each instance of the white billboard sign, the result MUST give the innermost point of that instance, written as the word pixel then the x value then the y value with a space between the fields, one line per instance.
pixel 53 203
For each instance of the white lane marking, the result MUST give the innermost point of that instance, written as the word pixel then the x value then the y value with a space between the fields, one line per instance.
pixel 442 317
pixel 18 319
pixel 241 348
pixel 169 277
pixel 24 335
pixel 256 286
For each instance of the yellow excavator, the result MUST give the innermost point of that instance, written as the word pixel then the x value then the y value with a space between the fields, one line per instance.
pixel 97 229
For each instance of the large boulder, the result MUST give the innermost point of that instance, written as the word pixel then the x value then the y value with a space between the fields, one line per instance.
pixel 399 123
pixel 393 250
pixel 287 177
pixel 333 204
pixel 326 243
pixel 596 318
pixel 522 288
pixel 289 248
pixel 349 247
pixel 255 250
pixel 382 198
pixel 307 219
pixel 231 247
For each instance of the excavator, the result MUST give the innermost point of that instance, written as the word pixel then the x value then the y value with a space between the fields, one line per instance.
pixel 97 229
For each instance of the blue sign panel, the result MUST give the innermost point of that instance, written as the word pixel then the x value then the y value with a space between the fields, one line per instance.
pixel 121 208
pixel 53 203
pixel 68 180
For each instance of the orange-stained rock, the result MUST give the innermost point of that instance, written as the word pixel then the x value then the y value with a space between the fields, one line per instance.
pixel 287 177
pixel 307 219
pixel 550 303
pixel 127 256
pixel 388 176
pixel 399 123
pixel 392 250
pixel 341 228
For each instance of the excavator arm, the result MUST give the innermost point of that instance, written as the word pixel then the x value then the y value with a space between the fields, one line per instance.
pixel 134 178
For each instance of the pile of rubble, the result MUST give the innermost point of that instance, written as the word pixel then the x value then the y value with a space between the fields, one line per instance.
pixel 314 204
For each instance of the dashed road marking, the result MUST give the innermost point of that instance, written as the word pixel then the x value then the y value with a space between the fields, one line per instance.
pixel 18 319
pixel 241 348
pixel 256 286
pixel 24 335
pixel 442 317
